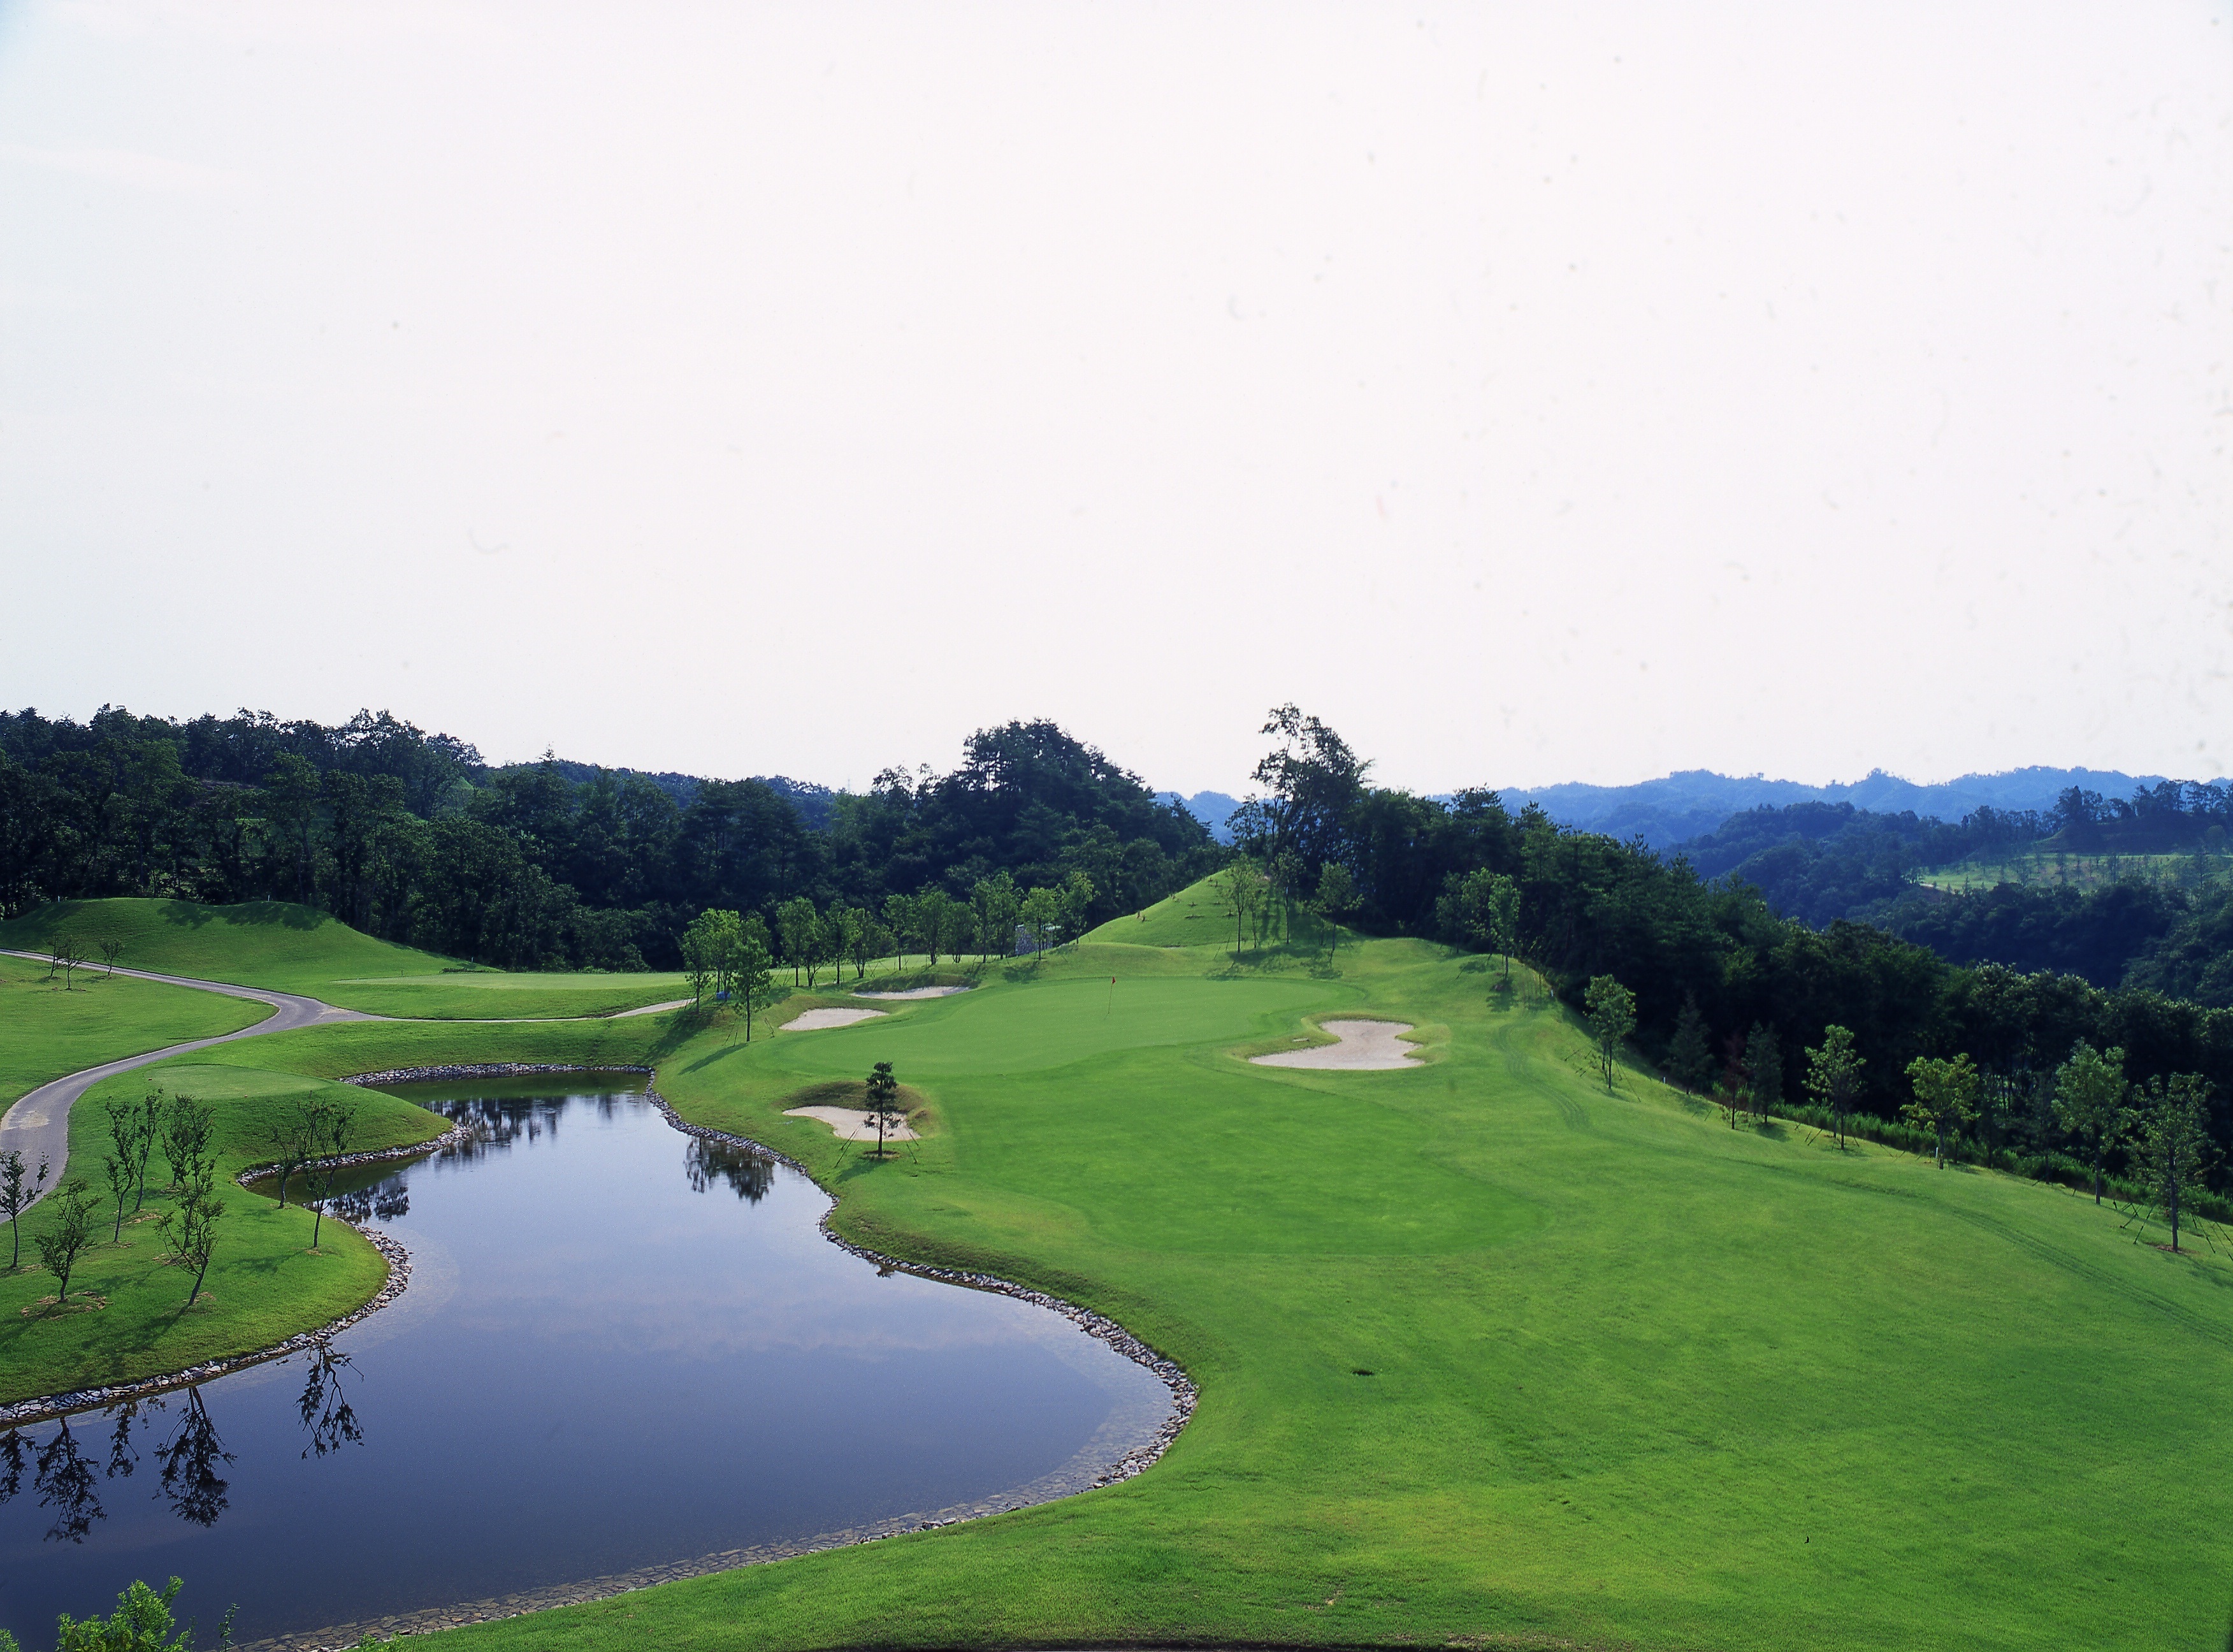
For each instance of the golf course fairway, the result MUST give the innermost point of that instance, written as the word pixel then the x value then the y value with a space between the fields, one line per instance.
pixel 1488 1356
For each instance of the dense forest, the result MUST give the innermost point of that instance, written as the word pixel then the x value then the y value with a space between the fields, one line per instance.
pixel 1819 863
pixel 411 837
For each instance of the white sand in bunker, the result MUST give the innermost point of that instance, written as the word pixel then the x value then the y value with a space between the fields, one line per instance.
pixel 1364 1046
pixel 916 992
pixel 851 1125
pixel 816 1020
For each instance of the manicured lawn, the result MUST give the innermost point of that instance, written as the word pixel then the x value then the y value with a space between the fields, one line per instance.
pixel 1634 1378
pixel 46 1032
pixel 296 949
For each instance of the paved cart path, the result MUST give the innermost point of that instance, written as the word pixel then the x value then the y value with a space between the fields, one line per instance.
pixel 38 1125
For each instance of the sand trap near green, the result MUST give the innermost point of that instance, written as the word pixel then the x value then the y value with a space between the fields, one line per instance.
pixel 851 1123
pixel 1362 1046
pixel 916 992
pixel 822 1020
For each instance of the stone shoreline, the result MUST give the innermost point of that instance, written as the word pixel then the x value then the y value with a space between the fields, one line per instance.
pixel 1065 1482
pixel 398 1279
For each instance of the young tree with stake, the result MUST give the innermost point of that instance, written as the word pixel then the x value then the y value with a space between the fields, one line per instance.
pixel 1337 895
pixel 2174 1146
pixel 62 1245
pixel 191 1225
pixel 1945 1098
pixel 294 1140
pixel 1243 885
pixel 2089 1102
pixel 1690 1055
pixel 883 1095
pixel 116 1169
pixel 147 1130
pixel 934 911
pixel 899 919
pixel 341 1126
pixel 19 1191
pixel 1612 1017
pixel 1763 1072
pixel 752 970
pixel 1833 1077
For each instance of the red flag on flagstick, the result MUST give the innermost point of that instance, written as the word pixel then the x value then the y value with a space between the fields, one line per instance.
pixel 1112 997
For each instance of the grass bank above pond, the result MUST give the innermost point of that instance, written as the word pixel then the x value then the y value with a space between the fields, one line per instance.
pixel 292 948
pixel 1489 1357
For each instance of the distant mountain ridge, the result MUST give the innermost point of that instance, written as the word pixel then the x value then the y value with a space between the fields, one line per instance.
pixel 1695 802
pixel 1213 809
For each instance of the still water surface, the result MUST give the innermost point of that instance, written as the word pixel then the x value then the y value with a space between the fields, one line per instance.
pixel 621 1347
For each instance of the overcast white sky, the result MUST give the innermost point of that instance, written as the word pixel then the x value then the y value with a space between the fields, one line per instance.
pixel 1535 392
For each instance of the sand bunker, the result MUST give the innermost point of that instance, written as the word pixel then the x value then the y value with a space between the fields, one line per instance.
pixel 851 1124
pixel 916 992
pixel 1365 1045
pixel 816 1020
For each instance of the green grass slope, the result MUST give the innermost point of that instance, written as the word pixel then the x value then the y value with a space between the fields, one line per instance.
pixel 1490 1356
pixel 46 1032
pixel 298 949
pixel 1201 916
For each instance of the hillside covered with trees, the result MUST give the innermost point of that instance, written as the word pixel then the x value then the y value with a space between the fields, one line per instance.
pixel 412 837
pixel 1750 990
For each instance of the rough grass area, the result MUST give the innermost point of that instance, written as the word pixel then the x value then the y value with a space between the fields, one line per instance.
pixel 46 1032
pixel 298 949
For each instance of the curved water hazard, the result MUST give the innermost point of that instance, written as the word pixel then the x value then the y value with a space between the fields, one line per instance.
pixel 627 1354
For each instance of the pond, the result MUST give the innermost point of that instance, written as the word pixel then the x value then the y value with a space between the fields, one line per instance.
pixel 624 1351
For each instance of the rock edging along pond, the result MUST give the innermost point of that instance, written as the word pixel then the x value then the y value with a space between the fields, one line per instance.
pixel 1184 1394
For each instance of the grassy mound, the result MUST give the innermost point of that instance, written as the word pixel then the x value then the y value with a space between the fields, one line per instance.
pixel 263 943
pixel 298 949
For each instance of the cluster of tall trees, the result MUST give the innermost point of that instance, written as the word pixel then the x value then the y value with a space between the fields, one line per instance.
pixel 737 952
pixel 1718 979
pixel 412 836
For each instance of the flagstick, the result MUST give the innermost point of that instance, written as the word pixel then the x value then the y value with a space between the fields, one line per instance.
pixel 1112 997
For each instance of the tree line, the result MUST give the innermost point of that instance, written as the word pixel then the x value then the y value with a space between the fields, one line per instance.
pixel 1709 965
pixel 734 955
pixel 414 838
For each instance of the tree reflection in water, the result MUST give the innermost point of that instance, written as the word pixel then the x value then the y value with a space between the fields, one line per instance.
pixel 325 1410
pixel 707 1162
pixel 64 1483
pixel 122 1459
pixel 189 1457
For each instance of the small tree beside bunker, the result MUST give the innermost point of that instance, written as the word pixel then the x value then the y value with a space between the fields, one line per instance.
pixel 883 1098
